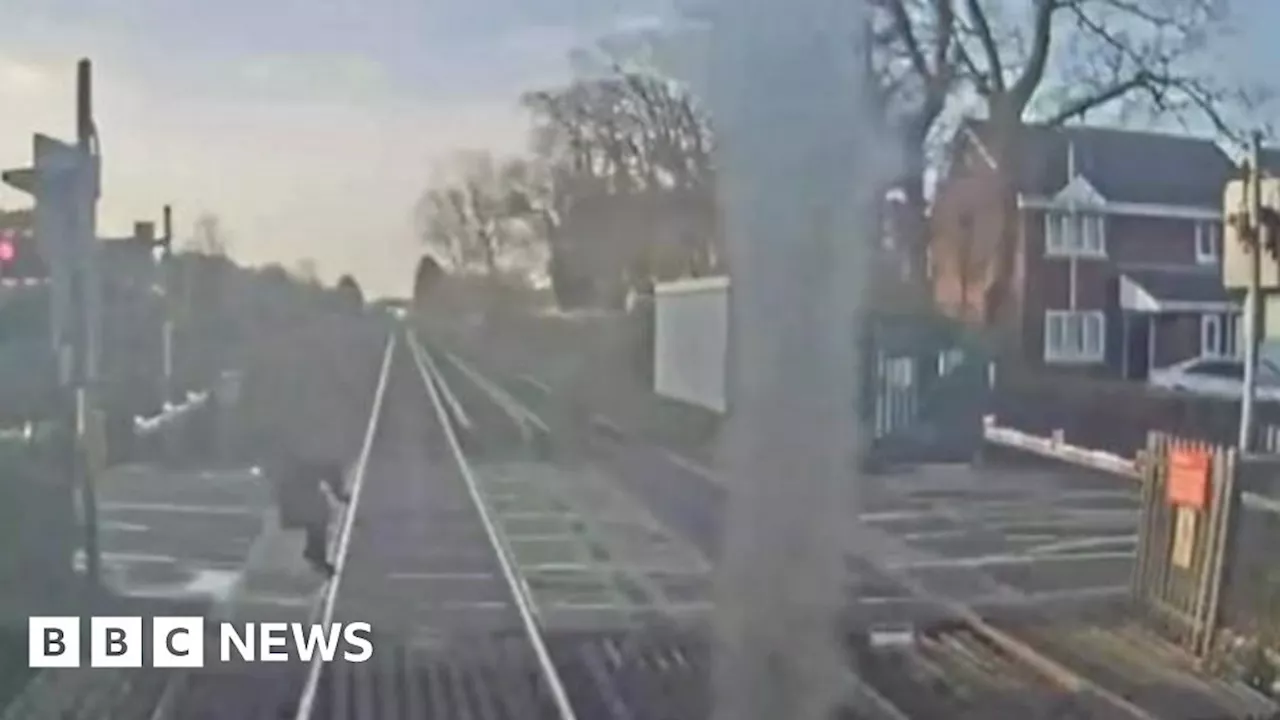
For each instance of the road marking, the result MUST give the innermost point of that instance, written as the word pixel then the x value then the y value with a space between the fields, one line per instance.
pixel 183 509
pixel 892 515
pixel 990 560
pixel 939 534
pixel 692 466
pixel 531 568
pixel 542 387
pixel 454 605
pixel 538 515
pixel 1084 543
pixel 474 576
pixel 123 558
pixel 124 526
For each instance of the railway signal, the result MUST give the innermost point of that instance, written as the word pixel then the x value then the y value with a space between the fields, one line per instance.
pixel 64 180
pixel 8 252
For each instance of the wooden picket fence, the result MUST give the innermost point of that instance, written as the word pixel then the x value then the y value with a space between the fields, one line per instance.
pixel 1184 536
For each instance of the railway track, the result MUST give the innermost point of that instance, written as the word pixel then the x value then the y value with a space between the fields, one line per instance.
pixel 946 660
pixel 458 636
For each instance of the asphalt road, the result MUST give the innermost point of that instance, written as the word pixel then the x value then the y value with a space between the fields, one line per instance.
pixel 182 535
pixel 1022 537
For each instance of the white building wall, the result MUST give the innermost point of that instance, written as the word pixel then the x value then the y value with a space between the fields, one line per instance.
pixel 691 341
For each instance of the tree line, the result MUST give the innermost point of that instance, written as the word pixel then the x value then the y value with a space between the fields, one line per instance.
pixel 618 186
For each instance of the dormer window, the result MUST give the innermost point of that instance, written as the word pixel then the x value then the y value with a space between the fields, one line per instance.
pixel 1075 234
pixel 1208 242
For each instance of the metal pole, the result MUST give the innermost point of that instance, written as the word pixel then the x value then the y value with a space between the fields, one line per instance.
pixel 87 339
pixel 1253 300
pixel 167 328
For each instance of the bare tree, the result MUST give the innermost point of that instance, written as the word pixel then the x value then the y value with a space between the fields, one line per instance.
pixel 915 67
pixel 1053 61
pixel 469 214
pixel 1067 58
pixel 612 150
pixel 208 237
pixel 306 272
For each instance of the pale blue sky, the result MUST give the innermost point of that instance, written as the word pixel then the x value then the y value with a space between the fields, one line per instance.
pixel 311 125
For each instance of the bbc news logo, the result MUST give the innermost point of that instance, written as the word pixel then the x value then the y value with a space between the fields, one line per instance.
pixel 180 642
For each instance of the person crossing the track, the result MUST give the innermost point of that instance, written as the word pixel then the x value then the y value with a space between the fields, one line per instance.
pixel 308 392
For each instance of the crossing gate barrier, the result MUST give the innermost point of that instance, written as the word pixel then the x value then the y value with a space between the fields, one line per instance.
pixel 1188 498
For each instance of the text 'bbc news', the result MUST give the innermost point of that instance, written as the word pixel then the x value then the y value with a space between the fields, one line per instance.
pixel 180 642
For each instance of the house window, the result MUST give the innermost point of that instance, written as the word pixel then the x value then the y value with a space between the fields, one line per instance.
pixel 1075 234
pixel 1072 336
pixel 1218 335
pixel 1208 242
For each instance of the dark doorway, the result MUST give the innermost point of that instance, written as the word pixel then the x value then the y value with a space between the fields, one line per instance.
pixel 1138 346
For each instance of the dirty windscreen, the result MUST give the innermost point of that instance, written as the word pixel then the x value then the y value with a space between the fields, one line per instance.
pixel 694 359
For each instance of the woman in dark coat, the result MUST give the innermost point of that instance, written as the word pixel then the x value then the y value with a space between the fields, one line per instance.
pixel 307 397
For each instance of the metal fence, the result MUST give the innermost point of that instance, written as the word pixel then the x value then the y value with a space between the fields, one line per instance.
pixel 1187 501
pixel 926 402
pixel 1115 416
pixel 1251 586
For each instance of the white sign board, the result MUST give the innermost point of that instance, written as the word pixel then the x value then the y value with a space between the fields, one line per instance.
pixel 1236 261
pixel 691 340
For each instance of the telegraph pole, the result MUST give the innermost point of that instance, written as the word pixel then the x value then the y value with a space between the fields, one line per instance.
pixel 1253 236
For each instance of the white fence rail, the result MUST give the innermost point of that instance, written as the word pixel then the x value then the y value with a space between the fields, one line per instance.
pixel 1054 447
pixel 173 412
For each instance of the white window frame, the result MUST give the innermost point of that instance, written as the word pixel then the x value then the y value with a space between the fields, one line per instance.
pixel 1208 242
pixel 1061 347
pixel 1075 234
pixel 1219 335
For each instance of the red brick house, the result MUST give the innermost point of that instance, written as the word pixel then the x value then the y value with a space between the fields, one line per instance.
pixel 1118 246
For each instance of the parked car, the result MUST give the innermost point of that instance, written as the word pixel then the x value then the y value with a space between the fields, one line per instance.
pixel 1218 377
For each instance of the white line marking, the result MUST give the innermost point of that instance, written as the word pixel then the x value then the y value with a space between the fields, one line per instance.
pixel 542 387
pixel 519 588
pixel 123 558
pixel 891 515
pixel 452 605
pixel 608 424
pixel 531 568
pixel 693 467
pixel 989 560
pixel 439 576
pixel 1084 543
pixel 183 509
pixel 124 527
pixel 330 595
pixel 939 534
pixel 427 368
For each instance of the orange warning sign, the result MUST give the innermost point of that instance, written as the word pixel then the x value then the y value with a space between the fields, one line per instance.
pixel 1189 478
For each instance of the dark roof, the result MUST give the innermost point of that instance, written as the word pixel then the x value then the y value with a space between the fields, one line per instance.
pixel 1181 284
pixel 1124 165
